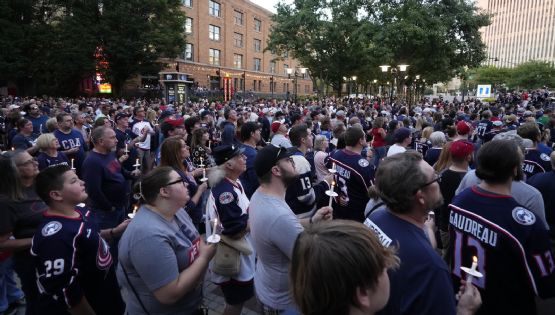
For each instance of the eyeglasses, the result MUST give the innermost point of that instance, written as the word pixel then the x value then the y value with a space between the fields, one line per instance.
pixel 181 180
pixel 34 108
pixel 30 161
pixel 436 179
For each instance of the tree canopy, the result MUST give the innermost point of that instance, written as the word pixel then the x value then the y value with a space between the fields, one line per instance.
pixel 50 46
pixel 342 38
pixel 529 75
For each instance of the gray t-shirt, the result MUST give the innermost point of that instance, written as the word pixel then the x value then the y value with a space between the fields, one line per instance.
pixel 525 194
pixel 153 252
pixel 274 230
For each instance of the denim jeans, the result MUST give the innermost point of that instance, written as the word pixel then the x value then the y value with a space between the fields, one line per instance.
pixel 9 292
pixel 379 153
pixel 108 220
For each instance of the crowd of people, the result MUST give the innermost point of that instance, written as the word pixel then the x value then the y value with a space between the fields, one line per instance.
pixel 332 206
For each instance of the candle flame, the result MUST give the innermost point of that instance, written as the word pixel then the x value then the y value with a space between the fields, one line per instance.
pixel 474 259
pixel 333 183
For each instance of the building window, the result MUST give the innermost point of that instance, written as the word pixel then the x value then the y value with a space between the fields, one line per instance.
pixel 254 85
pixel 188 53
pixel 238 39
pixel 213 8
pixel 237 61
pixel 238 17
pixel 257 45
pixel 214 32
pixel 187 3
pixel 257 63
pixel 285 67
pixel 188 25
pixel 272 67
pixel 257 25
pixel 284 87
pixel 214 57
pixel 286 54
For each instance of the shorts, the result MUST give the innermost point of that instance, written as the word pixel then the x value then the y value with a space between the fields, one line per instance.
pixel 236 292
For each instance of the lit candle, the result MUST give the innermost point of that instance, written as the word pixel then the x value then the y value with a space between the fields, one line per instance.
pixel 331 190
pixel 333 166
pixel 135 210
pixel 203 173
pixel 126 150
pixel 201 162
pixel 209 143
pixel 72 167
pixel 137 164
pixel 472 269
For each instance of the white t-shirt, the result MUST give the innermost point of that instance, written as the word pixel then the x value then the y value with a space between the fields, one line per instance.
pixel 394 149
pixel 137 129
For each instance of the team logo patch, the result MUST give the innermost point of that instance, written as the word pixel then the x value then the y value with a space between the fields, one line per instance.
pixel 523 216
pixel 545 157
pixel 103 256
pixel 363 163
pixel 226 198
pixel 51 228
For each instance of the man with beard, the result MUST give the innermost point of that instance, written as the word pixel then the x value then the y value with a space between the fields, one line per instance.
pixel 422 283
pixel 274 228
pixel 507 241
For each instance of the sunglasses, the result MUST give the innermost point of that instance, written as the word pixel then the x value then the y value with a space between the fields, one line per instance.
pixel 181 180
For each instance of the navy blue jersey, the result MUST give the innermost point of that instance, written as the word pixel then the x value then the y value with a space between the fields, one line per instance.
pixel 301 195
pixel 422 147
pixel 72 261
pixel 231 204
pixel 512 248
pixel 354 177
pixel 421 284
pixel 535 162
pixel 483 127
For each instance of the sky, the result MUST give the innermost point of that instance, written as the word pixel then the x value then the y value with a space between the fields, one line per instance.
pixel 270 4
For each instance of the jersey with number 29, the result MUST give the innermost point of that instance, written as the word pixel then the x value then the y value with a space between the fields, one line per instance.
pixel 512 248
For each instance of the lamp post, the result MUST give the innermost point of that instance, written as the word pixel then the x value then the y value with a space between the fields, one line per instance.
pixel 349 81
pixel 272 86
pixel 395 73
pixel 295 73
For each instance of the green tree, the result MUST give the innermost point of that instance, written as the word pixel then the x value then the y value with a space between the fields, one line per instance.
pixel 353 37
pixel 136 35
pixel 532 75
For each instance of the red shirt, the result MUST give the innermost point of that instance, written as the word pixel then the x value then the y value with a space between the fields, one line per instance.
pixel 378 141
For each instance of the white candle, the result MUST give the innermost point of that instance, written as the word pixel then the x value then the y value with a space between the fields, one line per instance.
pixel 209 144
pixel 333 166
pixel 134 210
pixel 331 189
pixel 473 269
pixel 201 161
pixel 137 164
pixel 126 150
pixel 40 129
pixel 203 173
pixel 215 225
pixel 72 167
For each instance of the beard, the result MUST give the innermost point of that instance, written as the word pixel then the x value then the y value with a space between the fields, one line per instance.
pixel 287 177
pixel 436 203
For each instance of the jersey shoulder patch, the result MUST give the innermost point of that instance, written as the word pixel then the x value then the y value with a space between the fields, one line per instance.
pixel 226 197
pixel 363 162
pixel 524 216
pixel 545 157
pixel 51 228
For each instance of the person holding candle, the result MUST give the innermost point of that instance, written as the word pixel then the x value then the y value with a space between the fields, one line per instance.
pixel 422 283
pixel 510 242
pixel 163 235
pixel 126 140
pixel 274 228
pixel 229 203
pixel 106 181
pixel 174 152
pixel 199 151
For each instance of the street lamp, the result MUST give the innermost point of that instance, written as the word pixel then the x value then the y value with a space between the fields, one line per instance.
pixel 395 74
pixel 295 72
pixel 349 84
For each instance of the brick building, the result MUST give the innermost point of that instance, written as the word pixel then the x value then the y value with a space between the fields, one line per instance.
pixel 226 39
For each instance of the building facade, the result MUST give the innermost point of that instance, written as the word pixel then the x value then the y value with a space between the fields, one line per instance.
pixel 226 42
pixel 521 30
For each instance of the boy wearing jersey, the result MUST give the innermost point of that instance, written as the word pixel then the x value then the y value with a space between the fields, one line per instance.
pixel 511 245
pixel 73 263
pixel 353 178
pixel 301 196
